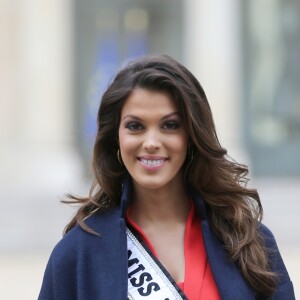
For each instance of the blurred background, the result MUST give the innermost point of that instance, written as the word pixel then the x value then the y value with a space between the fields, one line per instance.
pixel 57 57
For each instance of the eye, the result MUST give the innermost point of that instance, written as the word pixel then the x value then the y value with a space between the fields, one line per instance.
pixel 171 125
pixel 134 126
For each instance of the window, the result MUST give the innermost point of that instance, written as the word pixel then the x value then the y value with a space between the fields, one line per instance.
pixel 272 85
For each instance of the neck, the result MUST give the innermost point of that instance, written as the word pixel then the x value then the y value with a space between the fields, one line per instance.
pixel 166 205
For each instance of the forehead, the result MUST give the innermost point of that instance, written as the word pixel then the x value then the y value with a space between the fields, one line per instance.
pixel 143 102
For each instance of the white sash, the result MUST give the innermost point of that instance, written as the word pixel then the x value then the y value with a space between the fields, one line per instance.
pixel 146 279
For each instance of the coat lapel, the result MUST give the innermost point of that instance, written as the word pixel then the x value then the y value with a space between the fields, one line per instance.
pixel 229 280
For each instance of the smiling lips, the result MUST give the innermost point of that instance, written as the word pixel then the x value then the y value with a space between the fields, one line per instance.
pixel 152 163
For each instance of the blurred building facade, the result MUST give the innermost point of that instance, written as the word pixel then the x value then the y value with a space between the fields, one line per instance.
pixel 57 57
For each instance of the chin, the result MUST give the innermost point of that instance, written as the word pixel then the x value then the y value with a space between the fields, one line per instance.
pixel 150 184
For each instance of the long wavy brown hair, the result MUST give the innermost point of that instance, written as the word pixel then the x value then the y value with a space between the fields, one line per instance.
pixel 234 211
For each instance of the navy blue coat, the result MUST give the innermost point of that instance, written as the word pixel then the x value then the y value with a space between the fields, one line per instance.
pixel 84 266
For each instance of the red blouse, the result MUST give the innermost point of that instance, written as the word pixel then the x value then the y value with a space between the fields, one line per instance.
pixel 198 282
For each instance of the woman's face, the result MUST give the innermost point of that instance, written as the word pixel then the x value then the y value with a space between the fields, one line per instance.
pixel 152 139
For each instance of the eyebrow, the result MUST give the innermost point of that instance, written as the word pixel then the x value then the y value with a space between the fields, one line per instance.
pixel 163 118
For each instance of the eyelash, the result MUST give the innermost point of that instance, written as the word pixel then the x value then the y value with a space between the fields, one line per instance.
pixel 134 126
pixel 169 125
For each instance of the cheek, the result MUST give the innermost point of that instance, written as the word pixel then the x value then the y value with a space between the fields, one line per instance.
pixel 179 145
pixel 127 143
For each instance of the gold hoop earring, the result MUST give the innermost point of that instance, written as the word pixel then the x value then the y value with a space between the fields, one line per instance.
pixel 119 157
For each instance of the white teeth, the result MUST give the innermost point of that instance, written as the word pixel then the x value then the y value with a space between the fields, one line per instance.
pixel 152 162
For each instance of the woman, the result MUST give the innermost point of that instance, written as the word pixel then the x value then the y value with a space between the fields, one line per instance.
pixel 168 215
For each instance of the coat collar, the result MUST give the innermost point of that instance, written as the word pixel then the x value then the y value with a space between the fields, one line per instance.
pixel 230 281
pixel 126 194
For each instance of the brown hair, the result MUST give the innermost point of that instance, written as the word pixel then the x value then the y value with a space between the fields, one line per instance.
pixel 234 211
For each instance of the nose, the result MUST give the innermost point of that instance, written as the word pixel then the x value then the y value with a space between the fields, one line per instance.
pixel 152 141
